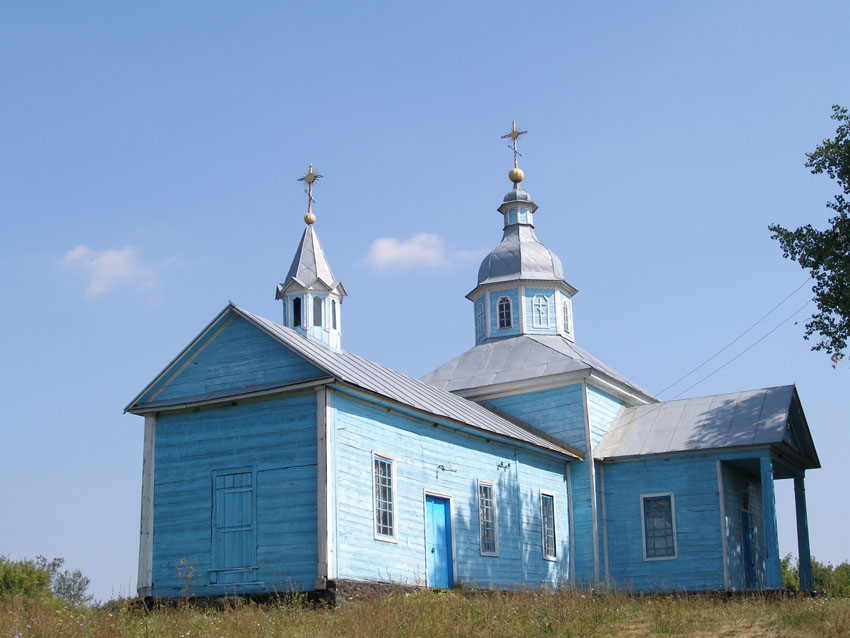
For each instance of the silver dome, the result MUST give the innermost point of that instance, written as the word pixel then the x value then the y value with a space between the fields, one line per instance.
pixel 520 255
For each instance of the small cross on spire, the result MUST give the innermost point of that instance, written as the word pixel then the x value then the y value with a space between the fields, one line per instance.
pixel 514 134
pixel 309 177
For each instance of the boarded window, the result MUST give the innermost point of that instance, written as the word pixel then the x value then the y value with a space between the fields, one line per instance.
pixel 658 526
pixel 540 312
pixel 505 318
pixel 296 312
pixel 487 518
pixel 547 511
pixel 233 538
pixel 317 311
pixel 384 504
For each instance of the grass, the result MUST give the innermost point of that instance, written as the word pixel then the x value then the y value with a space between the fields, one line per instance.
pixel 444 614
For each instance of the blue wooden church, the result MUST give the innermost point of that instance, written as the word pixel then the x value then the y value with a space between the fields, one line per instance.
pixel 275 460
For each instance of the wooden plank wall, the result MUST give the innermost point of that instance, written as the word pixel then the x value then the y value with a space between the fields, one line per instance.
pixel 277 437
pixel 693 482
pixel 417 450
pixel 602 410
pixel 240 355
pixel 736 482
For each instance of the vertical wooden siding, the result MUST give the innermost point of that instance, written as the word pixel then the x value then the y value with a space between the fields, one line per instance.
pixel 417 450
pixel 276 437
pixel 240 355
pixel 736 482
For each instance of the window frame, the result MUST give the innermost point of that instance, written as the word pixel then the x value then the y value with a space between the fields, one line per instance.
pixel 482 551
pixel 544 494
pixel 509 314
pixel 377 535
pixel 318 303
pixel 535 305
pixel 480 319
pixel 334 319
pixel 567 318
pixel 658 495
pixel 297 313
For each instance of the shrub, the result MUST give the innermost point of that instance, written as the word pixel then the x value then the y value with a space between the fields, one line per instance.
pixel 24 578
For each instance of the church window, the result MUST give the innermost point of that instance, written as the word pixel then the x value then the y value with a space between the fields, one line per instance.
pixel 333 314
pixel 547 515
pixel 382 478
pixel 567 328
pixel 505 318
pixel 659 526
pixel 296 312
pixel 234 526
pixel 487 519
pixel 479 319
pixel 540 312
pixel 317 311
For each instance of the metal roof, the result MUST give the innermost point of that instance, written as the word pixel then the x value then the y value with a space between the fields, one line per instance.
pixel 520 255
pixel 310 263
pixel 373 377
pixel 519 358
pixel 754 417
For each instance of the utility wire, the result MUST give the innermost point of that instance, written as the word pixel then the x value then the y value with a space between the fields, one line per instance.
pixel 748 348
pixel 731 343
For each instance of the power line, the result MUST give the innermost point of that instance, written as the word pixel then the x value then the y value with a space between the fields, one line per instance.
pixel 747 349
pixel 735 340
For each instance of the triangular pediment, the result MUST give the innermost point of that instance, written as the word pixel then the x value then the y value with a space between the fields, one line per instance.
pixel 231 356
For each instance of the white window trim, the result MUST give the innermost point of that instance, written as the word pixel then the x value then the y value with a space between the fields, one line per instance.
pixel 377 536
pixel 321 299
pixel 480 325
pixel 554 558
pixel 495 519
pixel 510 313
pixel 534 322
pixel 643 526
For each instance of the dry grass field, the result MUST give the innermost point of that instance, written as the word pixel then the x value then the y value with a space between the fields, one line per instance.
pixel 440 614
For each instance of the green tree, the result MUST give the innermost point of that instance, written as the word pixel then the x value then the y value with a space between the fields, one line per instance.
pixel 826 253
pixel 24 578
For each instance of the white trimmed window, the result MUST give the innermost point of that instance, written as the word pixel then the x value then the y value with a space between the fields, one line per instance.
pixel 487 519
pixel 317 311
pixel 566 309
pixel 479 319
pixel 547 517
pixel 383 480
pixel 296 312
pixel 659 526
pixel 333 314
pixel 505 314
pixel 540 312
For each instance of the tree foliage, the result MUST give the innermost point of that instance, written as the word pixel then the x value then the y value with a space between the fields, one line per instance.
pixel 42 578
pixel 828 579
pixel 826 253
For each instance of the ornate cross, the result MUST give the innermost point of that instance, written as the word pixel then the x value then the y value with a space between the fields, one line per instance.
pixel 309 177
pixel 514 134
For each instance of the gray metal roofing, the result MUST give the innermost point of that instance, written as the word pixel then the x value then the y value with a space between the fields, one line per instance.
pixel 310 263
pixel 520 255
pixel 755 417
pixel 368 375
pixel 515 359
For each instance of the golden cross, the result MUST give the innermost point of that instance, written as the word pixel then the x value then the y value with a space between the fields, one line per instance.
pixel 514 135
pixel 309 177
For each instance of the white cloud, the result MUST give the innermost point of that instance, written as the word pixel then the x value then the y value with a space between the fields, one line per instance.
pixel 110 269
pixel 425 250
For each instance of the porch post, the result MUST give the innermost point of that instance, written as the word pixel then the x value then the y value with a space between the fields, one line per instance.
pixel 806 579
pixel 772 568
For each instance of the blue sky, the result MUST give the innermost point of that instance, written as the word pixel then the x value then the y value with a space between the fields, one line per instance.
pixel 148 158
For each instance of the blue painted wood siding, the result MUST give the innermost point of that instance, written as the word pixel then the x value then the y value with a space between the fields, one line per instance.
pixel 736 483
pixel 560 413
pixel 417 450
pixel 276 439
pixel 693 482
pixel 602 410
pixel 549 295
pixel 239 356
pixel 516 319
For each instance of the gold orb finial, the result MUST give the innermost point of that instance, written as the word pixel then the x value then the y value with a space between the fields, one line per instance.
pixel 309 218
pixel 516 175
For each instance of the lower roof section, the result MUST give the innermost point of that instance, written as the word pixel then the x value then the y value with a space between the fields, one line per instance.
pixel 522 358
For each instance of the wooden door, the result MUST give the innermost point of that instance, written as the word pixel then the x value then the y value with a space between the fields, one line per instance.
pixel 438 541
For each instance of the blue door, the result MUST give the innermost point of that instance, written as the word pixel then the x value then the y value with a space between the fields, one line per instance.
pixel 749 559
pixel 438 541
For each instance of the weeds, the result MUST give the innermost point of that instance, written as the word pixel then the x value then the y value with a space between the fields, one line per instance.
pixel 437 614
